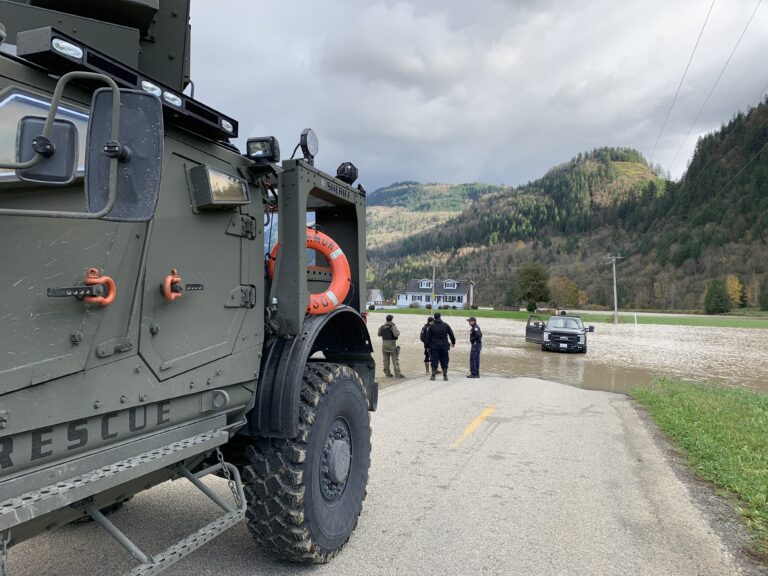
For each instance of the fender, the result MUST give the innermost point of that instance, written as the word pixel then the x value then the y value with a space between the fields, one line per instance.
pixel 341 336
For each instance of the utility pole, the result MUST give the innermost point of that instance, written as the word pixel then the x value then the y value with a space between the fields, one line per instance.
pixel 434 304
pixel 615 296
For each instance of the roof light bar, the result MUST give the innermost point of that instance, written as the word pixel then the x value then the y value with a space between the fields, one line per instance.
pixel 60 53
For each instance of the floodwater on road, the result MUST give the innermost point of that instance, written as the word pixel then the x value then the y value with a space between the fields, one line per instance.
pixel 619 357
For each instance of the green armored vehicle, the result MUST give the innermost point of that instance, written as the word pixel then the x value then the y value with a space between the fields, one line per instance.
pixel 148 330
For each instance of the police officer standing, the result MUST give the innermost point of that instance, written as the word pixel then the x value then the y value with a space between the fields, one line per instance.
pixel 389 334
pixel 438 335
pixel 476 342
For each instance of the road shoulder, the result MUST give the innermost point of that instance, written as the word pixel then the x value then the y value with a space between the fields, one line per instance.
pixel 717 510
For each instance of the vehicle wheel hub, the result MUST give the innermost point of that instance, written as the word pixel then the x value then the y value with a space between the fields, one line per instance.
pixel 336 462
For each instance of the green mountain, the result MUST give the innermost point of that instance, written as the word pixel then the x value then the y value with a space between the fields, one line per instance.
pixel 418 197
pixel 677 236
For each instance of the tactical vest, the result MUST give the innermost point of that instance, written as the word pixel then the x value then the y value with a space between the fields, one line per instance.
pixel 386 333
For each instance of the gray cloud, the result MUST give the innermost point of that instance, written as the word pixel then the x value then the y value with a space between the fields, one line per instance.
pixel 493 90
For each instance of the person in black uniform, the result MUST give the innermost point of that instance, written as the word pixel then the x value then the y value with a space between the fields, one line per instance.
pixel 438 335
pixel 476 342
pixel 423 338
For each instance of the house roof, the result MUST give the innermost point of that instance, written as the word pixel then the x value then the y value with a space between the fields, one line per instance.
pixel 375 294
pixel 413 287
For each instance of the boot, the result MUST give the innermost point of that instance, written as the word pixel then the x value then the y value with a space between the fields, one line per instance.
pixel 445 374
pixel 434 372
pixel 426 367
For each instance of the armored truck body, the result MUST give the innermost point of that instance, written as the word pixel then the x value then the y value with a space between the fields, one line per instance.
pixel 145 332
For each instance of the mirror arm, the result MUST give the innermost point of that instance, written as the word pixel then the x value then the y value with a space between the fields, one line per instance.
pixel 48 128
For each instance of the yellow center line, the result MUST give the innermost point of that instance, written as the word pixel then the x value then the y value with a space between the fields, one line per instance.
pixel 487 411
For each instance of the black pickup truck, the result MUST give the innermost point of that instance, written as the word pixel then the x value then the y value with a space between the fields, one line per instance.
pixel 559 333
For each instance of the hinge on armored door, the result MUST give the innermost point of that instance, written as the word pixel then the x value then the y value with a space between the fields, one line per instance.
pixel 242 297
pixel 242 225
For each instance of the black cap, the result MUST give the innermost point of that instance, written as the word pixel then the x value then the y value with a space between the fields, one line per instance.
pixel 430 319
pixel 389 317
pixel 471 319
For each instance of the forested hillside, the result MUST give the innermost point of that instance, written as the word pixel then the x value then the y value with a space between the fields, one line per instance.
pixel 429 197
pixel 677 236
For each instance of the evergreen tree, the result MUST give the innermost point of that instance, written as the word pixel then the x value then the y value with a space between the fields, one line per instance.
pixel 532 284
pixel 716 300
pixel 763 297
pixel 743 298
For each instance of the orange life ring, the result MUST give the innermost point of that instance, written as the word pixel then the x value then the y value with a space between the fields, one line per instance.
pixel 327 301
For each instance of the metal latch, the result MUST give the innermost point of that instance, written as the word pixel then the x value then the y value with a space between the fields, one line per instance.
pixel 77 291
pixel 242 297
pixel 97 289
pixel 244 226
pixel 247 296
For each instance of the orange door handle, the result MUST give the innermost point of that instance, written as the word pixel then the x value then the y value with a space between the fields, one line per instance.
pixel 93 277
pixel 172 287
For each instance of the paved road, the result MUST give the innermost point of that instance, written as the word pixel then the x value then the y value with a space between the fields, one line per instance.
pixel 488 476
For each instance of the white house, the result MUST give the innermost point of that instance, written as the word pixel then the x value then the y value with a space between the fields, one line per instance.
pixel 444 292
pixel 375 298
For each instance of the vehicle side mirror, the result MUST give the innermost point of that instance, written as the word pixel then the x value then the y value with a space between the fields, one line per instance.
pixel 58 153
pixel 139 150
pixel 591 328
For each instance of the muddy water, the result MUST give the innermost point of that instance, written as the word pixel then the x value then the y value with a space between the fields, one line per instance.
pixel 620 356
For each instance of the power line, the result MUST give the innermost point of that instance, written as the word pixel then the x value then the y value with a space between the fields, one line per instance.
pixel 717 81
pixel 658 138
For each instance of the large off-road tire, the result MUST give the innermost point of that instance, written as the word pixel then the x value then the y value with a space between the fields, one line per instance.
pixel 305 494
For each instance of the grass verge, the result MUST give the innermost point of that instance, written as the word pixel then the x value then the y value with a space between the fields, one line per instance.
pixel 724 433
pixel 600 317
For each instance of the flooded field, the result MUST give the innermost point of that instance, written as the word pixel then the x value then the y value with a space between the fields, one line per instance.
pixel 619 356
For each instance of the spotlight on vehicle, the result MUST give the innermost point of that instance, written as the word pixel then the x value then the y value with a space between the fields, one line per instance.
pixel 309 145
pixel 347 173
pixel 263 149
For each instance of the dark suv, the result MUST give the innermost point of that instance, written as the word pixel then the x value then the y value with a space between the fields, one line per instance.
pixel 559 333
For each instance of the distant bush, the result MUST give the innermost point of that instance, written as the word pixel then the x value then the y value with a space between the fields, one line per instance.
pixel 428 306
pixel 371 307
pixel 414 305
pixel 716 300
pixel 453 307
pixel 474 306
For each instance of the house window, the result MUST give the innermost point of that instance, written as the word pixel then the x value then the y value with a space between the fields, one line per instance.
pixel 427 298
pixel 459 299
pixel 449 285
pixel 425 284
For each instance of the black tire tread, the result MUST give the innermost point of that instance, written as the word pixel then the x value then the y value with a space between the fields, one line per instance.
pixel 274 477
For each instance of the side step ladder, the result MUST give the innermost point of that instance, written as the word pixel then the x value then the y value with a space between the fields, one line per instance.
pixel 77 492
pixel 171 555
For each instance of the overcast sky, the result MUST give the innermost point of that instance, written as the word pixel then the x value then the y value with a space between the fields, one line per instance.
pixel 495 91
